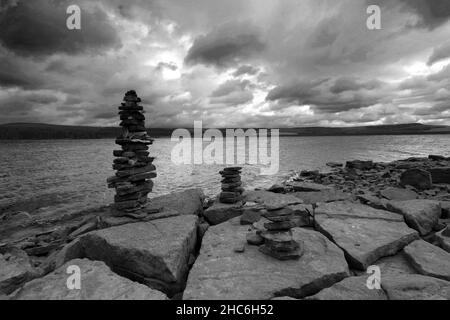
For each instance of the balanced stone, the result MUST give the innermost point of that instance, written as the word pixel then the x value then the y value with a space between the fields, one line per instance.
pixel 231 185
pixel 134 168
pixel 278 239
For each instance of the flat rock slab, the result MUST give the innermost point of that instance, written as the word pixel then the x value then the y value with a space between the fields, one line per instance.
pixel 364 233
pixel 347 209
pixel 188 202
pixel 415 287
pixel 221 273
pixel 443 239
pixel 270 200
pixel 397 264
pixel 421 215
pixel 428 259
pixel 155 253
pixel 15 270
pixel 352 288
pixel 307 186
pixel 329 195
pixel 98 282
pixel 398 194
pixel 445 205
pixel 221 212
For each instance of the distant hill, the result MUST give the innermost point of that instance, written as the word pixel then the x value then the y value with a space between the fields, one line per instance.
pixel 396 129
pixel 35 131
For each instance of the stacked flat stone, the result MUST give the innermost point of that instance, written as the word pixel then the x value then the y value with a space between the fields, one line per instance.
pixel 278 239
pixel 231 185
pixel 134 168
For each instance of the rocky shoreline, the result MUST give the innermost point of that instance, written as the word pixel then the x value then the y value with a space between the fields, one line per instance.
pixel 392 215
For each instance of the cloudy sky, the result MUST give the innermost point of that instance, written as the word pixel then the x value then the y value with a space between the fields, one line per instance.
pixel 234 63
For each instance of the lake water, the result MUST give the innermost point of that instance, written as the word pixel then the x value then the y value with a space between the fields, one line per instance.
pixel 70 175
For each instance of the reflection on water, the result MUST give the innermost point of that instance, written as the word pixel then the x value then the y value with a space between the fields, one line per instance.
pixel 66 175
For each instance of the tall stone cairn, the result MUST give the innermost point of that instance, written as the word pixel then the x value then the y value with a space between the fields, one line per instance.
pixel 134 168
pixel 231 185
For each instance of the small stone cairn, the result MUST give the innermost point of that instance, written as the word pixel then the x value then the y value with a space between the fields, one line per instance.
pixel 134 168
pixel 231 185
pixel 278 239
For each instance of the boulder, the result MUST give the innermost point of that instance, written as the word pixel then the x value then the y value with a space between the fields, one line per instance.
pixel 418 178
pixel 440 175
pixel 187 202
pixel 302 215
pixel 15 270
pixel 307 186
pixel 445 205
pixel 220 212
pixel 334 165
pixel 428 259
pixel 398 194
pixel 360 165
pixel 328 195
pixel 436 157
pixel 364 233
pixel 250 215
pixel 270 200
pixel 276 188
pixel 443 239
pixel 155 253
pixel 421 215
pixel 221 273
pixel 98 282
pixel 352 288
pixel 415 287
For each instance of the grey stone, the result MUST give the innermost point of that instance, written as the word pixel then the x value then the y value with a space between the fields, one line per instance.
pixel 443 239
pixel 418 178
pixel 98 282
pixel 15 270
pixel 440 175
pixel 398 194
pixel 307 186
pixel 250 216
pixel 415 287
pixel 329 195
pixel 445 205
pixel 421 215
pixel 428 259
pixel 352 288
pixel 187 202
pixel 155 253
pixel 220 273
pixel 270 200
pixel 220 212
pixel 364 233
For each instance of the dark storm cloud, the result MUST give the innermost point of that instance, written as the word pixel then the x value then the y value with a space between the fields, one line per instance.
pixel 353 84
pixel 232 92
pixel 432 13
pixel 298 91
pixel 246 69
pixel 226 45
pixel 343 95
pixel 38 27
pixel 14 74
pixel 229 87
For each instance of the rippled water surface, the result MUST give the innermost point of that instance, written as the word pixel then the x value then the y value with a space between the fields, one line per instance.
pixel 65 175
